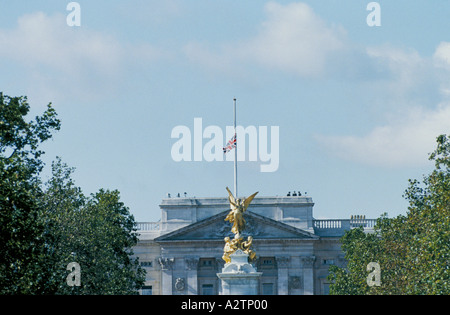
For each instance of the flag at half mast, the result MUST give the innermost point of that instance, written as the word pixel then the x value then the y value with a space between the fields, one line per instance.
pixel 230 145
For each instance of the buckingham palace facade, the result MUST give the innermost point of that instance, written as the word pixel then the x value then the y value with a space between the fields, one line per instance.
pixel 182 253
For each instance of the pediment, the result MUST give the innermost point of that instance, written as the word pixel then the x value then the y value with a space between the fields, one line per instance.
pixel 216 228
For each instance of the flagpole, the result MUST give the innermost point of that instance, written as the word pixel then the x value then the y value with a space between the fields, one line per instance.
pixel 235 153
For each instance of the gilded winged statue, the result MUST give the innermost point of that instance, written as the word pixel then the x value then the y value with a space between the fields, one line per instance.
pixel 236 215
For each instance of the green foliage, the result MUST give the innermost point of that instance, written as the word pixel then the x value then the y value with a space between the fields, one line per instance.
pixel 97 232
pixel 22 237
pixel 43 228
pixel 413 250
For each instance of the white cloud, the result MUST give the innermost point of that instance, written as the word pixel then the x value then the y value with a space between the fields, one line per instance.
pixel 292 39
pixel 295 39
pixel 408 73
pixel 442 55
pixel 62 61
pixel 405 140
pixel 413 122
pixel 43 40
pixel 441 60
pixel 411 128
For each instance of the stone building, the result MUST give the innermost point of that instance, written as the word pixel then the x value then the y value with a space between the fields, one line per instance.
pixel 182 252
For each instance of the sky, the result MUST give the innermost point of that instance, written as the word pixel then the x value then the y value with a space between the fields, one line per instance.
pixel 358 95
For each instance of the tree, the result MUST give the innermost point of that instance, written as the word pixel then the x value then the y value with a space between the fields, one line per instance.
pixel 22 238
pixel 413 251
pixel 107 235
pixel 97 232
pixel 44 227
pixel 430 216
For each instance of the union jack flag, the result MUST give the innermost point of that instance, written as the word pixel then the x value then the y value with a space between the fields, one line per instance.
pixel 230 145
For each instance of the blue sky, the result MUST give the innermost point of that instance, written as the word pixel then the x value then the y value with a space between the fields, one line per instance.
pixel 358 107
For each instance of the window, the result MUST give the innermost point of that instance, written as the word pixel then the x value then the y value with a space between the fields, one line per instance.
pixel 207 263
pixel 267 289
pixel 267 262
pixel 207 289
pixel 147 290
pixel 146 263
pixel 328 261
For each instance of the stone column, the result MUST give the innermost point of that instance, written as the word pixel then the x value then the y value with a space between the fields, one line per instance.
pixel 308 274
pixel 192 281
pixel 283 275
pixel 220 265
pixel 166 275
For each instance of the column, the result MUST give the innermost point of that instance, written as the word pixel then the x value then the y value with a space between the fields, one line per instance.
pixel 308 274
pixel 220 264
pixel 166 275
pixel 283 275
pixel 192 281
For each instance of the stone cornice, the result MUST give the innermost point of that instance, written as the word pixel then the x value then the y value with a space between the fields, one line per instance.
pixel 176 202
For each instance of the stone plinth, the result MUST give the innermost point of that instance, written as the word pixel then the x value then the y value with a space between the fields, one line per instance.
pixel 239 277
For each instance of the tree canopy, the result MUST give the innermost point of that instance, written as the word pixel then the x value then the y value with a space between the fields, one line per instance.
pixel 413 251
pixel 46 226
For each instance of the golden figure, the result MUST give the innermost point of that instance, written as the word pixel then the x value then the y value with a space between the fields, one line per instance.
pixel 228 250
pixel 231 245
pixel 236 215
pixel 247 248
